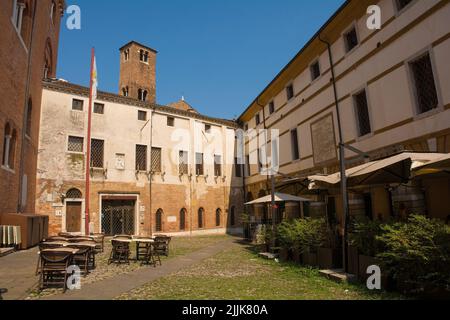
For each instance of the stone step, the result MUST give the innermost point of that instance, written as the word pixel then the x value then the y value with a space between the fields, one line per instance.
pixel 268 255
pixel 338 275
pixel 6 251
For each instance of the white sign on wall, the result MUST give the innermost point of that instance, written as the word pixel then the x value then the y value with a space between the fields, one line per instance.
pixel 172 219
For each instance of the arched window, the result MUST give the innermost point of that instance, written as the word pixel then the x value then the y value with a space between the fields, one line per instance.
pixel 182 219
pixel 12 149
pixel 218 214
pixel 232 217
pixel 144 95
pixel 141 95
pixel 53 12
pixel 159 223
pixel 48 61
pixel 6 144
pixel 74 194
pixel 201 216
pixel 125 91
pixel 29 117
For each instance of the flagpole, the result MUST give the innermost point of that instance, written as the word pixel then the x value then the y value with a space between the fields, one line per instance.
pixel 88 150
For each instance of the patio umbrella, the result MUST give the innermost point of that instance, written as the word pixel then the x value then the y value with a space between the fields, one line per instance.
pixel 441 165
pixel 279 197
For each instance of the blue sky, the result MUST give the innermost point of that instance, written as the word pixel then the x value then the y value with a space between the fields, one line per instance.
pixel 219 54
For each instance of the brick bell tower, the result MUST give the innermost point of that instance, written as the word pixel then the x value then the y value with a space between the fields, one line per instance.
pixel 138 72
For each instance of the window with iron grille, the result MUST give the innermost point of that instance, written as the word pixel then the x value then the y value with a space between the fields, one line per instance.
pixel 183 219
pixel 200 218
pixel 425 87
pixel 183 162
pixel 351 39
pixel 170 122
pixel 142 115
pixel 77 105
pixel 159 221
pixel 402 4
pixel 271 107
pixel 315 70
pixel 74 194
pixel 290 92
pixel 362 113
pixel 99 108
pixel 218 214
pixel 156 159
pixel 199 164
pixel 97 153
pixel 294 144
pixel 75 144
pixel 238 168
pixel 217 166
pixel 141 158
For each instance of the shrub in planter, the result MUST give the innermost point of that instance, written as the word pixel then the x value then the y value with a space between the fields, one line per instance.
pixel 417 255
pixel 311 238
pixel 286 236
pixel 264 237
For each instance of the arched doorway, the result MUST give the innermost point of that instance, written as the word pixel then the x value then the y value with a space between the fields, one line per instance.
pixel 183 219
pixel 201 217
pixel 159 220
pixel 74 210
pixel 218 217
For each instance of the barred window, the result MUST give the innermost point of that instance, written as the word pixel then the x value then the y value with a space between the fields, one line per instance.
pixel 97 153
pixel 425 86
pixel 77 105
pixel 294 143
pixel 74 194
pixel 75 144
pixel 351 39
pixel 183 162
pixel 156 159
pixel 199 164
pixel 217 166
pixel 271 107
pixel 362 113
pixel 290 91
pixel 142 115
pixel 99 108
pixel 315 70
pixel 402 4
pixel 141 158
pixel 238 168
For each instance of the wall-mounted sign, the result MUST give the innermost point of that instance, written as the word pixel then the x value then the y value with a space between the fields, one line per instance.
pixel 171 219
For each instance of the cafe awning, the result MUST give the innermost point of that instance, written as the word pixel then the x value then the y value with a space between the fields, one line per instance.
pixel 396 169
pixel 436 166
pixel 279 197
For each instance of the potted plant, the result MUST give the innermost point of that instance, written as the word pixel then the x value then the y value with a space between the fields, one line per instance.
pixel 264 237
pixel 286 238
pixel 313 240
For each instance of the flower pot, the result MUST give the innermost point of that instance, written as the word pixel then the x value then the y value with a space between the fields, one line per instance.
pixel 353 260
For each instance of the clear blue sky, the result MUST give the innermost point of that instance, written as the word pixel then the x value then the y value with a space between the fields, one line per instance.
pixel 219 54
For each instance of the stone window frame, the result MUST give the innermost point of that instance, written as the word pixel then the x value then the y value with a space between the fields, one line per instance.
pixel 69 135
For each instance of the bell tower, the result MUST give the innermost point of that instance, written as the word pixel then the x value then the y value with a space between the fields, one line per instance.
pixel 138 72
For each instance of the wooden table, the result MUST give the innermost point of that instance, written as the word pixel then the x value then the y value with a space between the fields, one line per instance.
pixel 68 250
pixel 138 241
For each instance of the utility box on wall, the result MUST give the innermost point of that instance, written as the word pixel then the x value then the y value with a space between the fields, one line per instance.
pixel 34 227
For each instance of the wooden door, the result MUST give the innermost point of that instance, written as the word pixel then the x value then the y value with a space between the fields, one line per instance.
pixel 73 216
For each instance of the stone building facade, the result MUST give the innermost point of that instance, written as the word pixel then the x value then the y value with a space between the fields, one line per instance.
pixel 28 53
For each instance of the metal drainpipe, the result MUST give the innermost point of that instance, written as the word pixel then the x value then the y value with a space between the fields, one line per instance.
pixel 25 113
pixel 151 176
pixel 341 160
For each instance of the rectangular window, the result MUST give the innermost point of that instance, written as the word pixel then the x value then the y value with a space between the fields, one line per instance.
pixel 260 164
pixel 249 169
pixel 199 164
pixel 142 115
pixel 183 162
pixel 156 160
pixel 238 167
pixel 99 108
pixel 97 153
pixel 170 122
pixel 294 145
pixel 75 144
pixel 425 87
pixel 290 92
pixel 351 39
pixel 257 119
pixel 402 4
pixel 141 158
pixel 315 70
pixel 77 105
pixel 18 9
pixel 217 166
pixel 271 107
pixel 207 128
pixel 246 127
pixel 362 113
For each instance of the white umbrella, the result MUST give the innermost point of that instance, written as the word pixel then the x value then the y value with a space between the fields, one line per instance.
pixel 279 197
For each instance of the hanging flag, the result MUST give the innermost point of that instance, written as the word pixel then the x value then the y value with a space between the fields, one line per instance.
pixel 94 79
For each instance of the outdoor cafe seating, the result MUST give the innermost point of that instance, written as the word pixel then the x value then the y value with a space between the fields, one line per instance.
pixel 54 267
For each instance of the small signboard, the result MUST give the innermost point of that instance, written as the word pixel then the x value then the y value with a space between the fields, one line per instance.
pixel 172 219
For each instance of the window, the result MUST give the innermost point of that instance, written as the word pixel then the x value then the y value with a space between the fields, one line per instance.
pixel 362 113
pixel 247 161
pixel 170 122
pixel 142 95
pixel 77 105
pixel 182 219
pixel 159 221
pixel 183 162
pixel 126 55
pixel 48 61
pixel 207 128
pixel 29 118
pixel 257 119
pixel 351 39
pixel 201 214
pixel 18 10
pixel 238 168
pixel 217 166
pixel 99 108
pixel 402 4
pixel 246 127
pixel 125 92
pixel 75 144
pixel 218 216
pixel 74 194
pixel 142 115
pixel 232 217
pixel 294 145
pixel 425 87
pixel 156 160
pixel 53 12
pixel 260 164
pixel 141 158
pixel 199 164
pixel 9 147
pixel 290 92
pixel 271 107
pixel 315 70
pixel 97 153
pixel 143 56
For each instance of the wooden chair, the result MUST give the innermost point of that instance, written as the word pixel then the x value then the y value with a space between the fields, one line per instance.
pixel 54 265
pixel 100 241
pixel 44 246
pixel 83 257
pixel 120 252
pixel 164 243
pixel 158 249
pixel 54 239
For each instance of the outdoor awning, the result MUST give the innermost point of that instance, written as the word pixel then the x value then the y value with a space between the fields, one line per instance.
pixel 396 169
pixel 436 166
pixel 279 197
